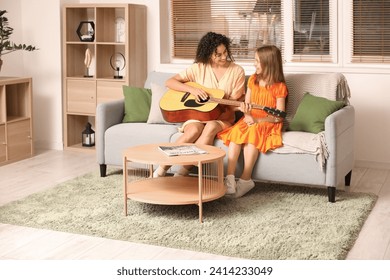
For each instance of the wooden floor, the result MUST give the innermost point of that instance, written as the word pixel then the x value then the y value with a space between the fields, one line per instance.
pixel 49 168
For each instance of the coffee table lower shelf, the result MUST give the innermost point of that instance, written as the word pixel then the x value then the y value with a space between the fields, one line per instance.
pixel 174 190
pixel 183 190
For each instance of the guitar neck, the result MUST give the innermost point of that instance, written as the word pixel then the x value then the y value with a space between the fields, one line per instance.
pixel 232 102
pixel 272 111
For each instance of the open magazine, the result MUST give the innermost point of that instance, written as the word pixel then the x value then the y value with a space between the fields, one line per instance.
pixel 181 150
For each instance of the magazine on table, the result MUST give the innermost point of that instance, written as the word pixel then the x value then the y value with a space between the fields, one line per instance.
pixel 180 150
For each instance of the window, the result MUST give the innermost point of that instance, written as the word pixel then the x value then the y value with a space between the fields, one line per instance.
pixel 311 27
pixel 312 31
pixel 305 30
pixel 249 24
pixel 371 31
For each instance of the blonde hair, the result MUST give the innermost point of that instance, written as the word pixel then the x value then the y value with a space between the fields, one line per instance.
pixel 271 64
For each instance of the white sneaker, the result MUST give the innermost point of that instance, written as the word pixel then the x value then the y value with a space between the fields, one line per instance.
pixel 182 172
pixel 159 172
pixel 230 183
pixel 244 186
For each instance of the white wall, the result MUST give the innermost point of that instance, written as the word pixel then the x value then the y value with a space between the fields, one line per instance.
pixel 371 99
pixel 38 22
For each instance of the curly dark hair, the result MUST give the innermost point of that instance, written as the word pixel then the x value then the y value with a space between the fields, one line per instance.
pixel 208 45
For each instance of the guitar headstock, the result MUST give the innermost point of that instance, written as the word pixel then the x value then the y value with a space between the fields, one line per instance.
pixel 275 112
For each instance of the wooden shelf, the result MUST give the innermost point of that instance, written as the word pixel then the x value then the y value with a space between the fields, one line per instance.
pixel 11 119
pixel 82 94
pixel 182 190
pixel 16 134
pixel 80 147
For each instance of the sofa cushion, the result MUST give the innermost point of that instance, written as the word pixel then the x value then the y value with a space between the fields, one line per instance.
pixel 121 136
pixel 137 104
pixel 312 112
pixel 140 133
pixel 158 78
pixel 155 115
pixel 331 86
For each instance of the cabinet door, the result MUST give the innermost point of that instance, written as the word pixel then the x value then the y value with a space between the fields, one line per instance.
pixel 3 155
pixel 19 140
pixel 81 96
pixel 108 91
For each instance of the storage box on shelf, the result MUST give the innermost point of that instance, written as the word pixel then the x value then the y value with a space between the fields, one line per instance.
pixel 15 119
pixel 115 37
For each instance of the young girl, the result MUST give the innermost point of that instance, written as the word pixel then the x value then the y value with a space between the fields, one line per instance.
pixel 256 131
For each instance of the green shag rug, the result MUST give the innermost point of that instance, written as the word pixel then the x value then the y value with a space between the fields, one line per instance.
pixel 272 222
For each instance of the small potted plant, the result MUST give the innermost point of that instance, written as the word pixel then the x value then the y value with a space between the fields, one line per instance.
pixel 7 46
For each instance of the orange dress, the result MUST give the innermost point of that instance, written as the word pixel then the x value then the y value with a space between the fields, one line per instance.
pixel 265 135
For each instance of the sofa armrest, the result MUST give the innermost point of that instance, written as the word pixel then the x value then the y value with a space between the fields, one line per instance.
pixel 339 136
pixel 107 115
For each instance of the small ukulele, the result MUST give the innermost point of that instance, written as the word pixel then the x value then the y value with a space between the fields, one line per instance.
pixel 179 106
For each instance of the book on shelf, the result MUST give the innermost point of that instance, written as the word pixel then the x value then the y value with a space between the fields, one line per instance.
pixel 181 150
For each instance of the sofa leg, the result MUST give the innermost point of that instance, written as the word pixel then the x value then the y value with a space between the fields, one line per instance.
pixel 103 170
pixel 348 178
pixel 332 194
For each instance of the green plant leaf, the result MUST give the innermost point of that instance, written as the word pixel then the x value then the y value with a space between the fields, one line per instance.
pixel 7 46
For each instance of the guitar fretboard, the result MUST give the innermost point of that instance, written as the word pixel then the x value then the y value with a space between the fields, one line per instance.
pixel 232 102
pixel 272 111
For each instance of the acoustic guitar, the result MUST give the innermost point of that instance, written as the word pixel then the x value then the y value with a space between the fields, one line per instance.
pixel 177 106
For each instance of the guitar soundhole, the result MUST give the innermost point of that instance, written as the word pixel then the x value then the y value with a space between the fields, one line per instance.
pixel 192 103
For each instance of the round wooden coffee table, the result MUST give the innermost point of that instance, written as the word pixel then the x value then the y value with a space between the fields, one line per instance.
pixel 140 161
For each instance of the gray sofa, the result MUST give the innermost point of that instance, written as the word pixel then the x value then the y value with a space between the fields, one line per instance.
pixel 324 159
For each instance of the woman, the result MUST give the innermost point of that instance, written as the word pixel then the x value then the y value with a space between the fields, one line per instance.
pixel 213 68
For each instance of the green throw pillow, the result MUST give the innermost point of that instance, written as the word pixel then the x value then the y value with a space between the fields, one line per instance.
pixel 137 104
pixel 312 112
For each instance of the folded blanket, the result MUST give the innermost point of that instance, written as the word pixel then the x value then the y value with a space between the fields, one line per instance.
pixel 305 143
